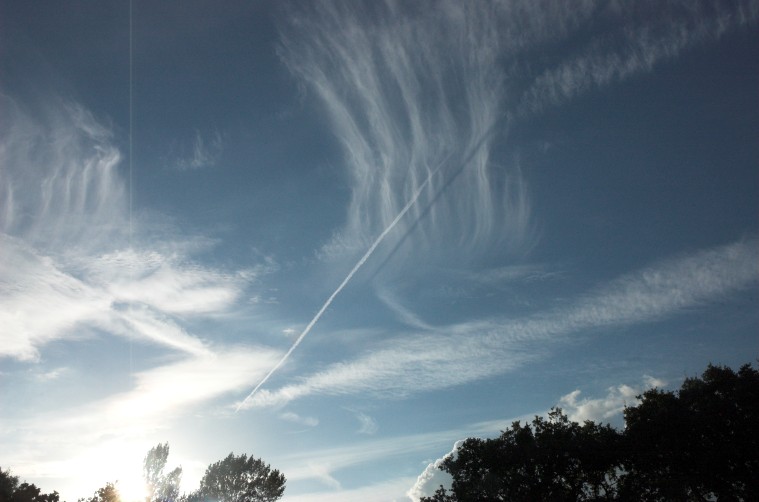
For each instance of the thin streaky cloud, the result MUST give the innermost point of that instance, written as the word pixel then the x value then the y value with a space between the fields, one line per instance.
pixel 637 48
pixel 391 86
pixel 371 134
pixel 461 353
pixel 346 280
pixel 68 268
pixel 401 311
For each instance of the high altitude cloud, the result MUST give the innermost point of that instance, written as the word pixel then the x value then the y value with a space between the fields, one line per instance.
pixel 74 261
pixel 412 96
pixel 650 32
pixel 75 264
pixel 409 88
pixel 460 353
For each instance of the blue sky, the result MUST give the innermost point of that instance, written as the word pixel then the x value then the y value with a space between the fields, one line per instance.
pixel 414 222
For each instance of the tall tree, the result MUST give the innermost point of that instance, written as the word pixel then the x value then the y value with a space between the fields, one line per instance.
pixel 240 479
pixel 12 491
pixel 161 487
pixel 700 443
pixel 108 493
pixel 8 484
pixel 553 459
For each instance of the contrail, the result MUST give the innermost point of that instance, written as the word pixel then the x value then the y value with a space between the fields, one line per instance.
pixel 347 279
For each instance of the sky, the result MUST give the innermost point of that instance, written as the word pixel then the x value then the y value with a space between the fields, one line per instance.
pixel 344 236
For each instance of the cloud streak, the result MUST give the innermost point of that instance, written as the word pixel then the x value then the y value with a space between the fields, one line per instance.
pixel 368 65
pixel 460 353
pixel 651 33
pixel 68 268
pixel 342 285
pixel 390 79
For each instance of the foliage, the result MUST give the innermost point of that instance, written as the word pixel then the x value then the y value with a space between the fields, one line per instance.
pixel 13 491
pixel 701 443
pixel 240 479
pixel 161 487
pixel 108 493
pixel 553 459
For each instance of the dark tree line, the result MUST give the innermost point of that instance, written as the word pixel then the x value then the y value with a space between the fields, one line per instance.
pixel 11 490
pixel 700 443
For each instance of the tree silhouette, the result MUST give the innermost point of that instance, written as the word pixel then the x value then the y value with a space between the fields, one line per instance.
pixel 701 443
pixel 161 487
pixel 12 491
pixel 240 479
pixel 108 493
pixel 553 459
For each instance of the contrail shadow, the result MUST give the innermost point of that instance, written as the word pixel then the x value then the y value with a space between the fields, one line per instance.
pixel 347 279
pixel 464 162
pixel 428 207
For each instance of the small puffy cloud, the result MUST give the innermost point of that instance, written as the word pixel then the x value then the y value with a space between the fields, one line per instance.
pixel 432 477
pixel 297 419
pixel 617 398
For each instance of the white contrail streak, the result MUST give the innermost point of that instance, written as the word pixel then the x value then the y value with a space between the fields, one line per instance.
pixel 347 279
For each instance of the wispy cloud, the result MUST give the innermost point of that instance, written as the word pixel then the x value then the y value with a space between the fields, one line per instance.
pixel 389 77
pixel 643 34
pixel 456 354
pixel 69 266
pixel 203 153
pixel 392 87
pixel 70 269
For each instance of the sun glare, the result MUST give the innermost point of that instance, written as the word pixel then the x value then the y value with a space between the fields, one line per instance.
pixel 116 462
pixel 132 488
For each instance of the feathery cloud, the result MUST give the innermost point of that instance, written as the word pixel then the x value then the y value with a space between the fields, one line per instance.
pixel 73 262
pixel 461 353
pixel 392 88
